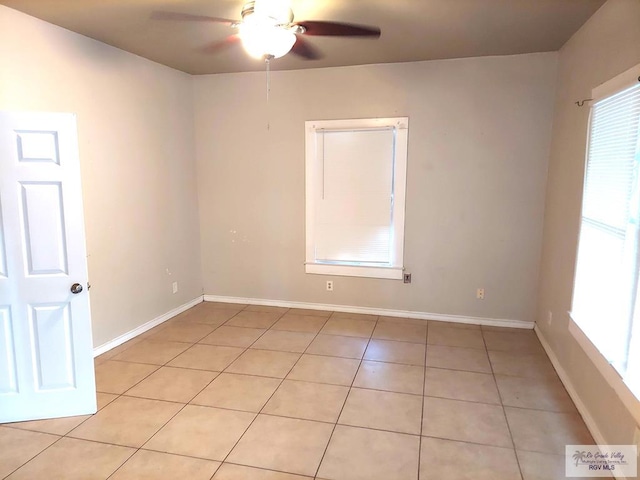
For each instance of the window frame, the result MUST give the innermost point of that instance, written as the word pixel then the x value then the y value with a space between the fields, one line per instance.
pixel 627 389
pixel 400 126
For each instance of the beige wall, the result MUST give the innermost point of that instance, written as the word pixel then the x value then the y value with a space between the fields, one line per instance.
pixel 479 140
pixel 478 144
pixel 135 125
pixel 608 44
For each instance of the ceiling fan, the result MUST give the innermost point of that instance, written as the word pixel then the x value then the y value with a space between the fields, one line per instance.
pixel 267 30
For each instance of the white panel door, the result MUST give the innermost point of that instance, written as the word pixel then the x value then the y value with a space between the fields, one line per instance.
pixel 46 349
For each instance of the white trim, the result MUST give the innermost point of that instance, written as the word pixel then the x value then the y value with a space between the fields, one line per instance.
pixel 609 373
pixel 618 83
pixel 314 172
pixel 493 322
pixel 391 273
pixel 589 421
pixel 105 347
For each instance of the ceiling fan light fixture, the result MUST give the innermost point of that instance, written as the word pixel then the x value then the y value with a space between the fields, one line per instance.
pixel 265 39
pixel 267 30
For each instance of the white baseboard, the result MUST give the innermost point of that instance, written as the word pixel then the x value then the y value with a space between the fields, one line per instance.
pixel 566 381
pixel 105 347
pixel 493 322
pixel 589 421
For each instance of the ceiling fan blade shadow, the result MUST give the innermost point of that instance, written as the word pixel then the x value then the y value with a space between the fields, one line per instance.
pixel 338 29
pixel 217 47
pixel 304 49
pixel 176 16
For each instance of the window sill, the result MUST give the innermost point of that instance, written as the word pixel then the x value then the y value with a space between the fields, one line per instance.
pixel 390 273
pixel 610 374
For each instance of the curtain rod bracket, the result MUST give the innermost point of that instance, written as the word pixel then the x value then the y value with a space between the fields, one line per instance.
pixel 581 103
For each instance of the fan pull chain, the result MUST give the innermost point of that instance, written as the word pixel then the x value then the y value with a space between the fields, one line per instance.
pixel 268 61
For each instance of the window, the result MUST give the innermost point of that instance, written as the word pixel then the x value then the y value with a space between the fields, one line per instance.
pixel 606 297
pixel 355 196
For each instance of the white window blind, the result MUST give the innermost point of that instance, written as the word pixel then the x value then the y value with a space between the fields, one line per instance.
pixel 354 213
pixel 356 173
pixel 606 296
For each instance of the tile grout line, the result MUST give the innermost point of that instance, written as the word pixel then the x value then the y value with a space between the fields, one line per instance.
pixel 504 413
pixel 244 309
pixel 364 352
pixel 198 343
pixel 359 388
pixel 34 457
pixel 275 390
pixel 173 416
pixel 325 423
pixel 361 360
pixel 262 469
pixel 331 356
pixel 294 418
pixel 165 364
pixel 186 404
pixel 424 387
pixel 305 381
pixel 162 426
pixel 119 395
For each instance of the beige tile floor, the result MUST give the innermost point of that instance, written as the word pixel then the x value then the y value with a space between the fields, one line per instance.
pixel 234 392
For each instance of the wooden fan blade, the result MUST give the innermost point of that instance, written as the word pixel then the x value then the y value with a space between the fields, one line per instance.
pixel 217 47
pixel 313 27
pixel 304 49
pixel 161 15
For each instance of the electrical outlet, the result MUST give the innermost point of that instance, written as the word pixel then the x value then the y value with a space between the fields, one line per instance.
pixel 549 317
pixel 407 278
pixel 329 286
pixel 480 294
pixel 175 287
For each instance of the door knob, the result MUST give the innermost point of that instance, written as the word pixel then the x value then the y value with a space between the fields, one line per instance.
pixel 76 288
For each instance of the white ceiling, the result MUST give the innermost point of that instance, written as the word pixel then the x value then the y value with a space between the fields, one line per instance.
pixel 412 30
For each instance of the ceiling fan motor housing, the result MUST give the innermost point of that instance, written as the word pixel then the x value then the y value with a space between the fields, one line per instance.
pixel 279 12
